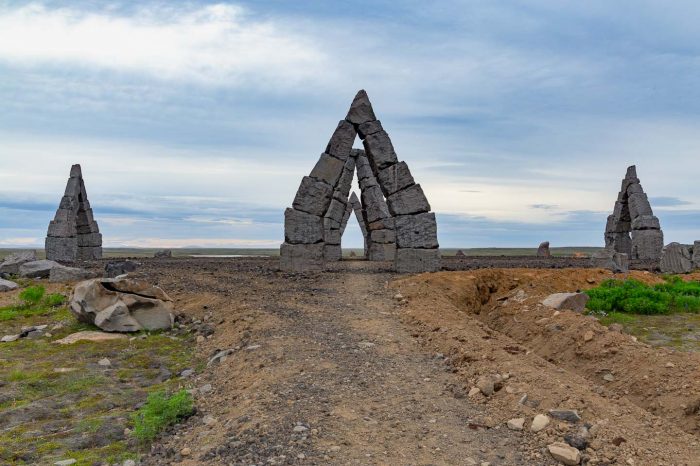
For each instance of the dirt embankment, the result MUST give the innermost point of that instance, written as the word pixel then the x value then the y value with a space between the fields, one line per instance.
pixel 643 400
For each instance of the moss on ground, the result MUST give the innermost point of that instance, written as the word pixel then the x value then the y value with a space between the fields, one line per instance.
pixel 57 403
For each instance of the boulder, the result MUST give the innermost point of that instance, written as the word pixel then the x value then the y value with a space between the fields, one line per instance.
pixel 163 253
pixel 564 453
pixel 70 274
pixel 37 269
pixel 676 258
pixel 12 262
pixel 609 259
pixel 7 285
pixel 114 269
pixel 543 249
pixel 122 305
pixel 89 335
pixel 571 301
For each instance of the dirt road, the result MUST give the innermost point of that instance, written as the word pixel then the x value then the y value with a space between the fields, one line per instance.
pixel 332 368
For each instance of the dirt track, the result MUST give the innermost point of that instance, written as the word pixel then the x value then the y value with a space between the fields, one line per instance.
pixel 332 369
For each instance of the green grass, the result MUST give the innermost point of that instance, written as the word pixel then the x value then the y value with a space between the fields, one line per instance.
pixel 634 297
pixel 159 412
pixel 33 301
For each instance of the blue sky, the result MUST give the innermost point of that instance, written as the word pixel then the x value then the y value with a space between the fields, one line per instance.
pixel 195 121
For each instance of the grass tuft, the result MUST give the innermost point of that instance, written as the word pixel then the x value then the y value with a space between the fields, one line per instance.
pixel 159 412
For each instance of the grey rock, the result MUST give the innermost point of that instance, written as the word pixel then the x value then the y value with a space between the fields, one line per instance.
pixel 646 222
pixel 371 127
pixel 332 237
pixel 647 244
pixel 9 338
pixel 302 228
pixel 336 210
pixel 361 109
pixel 364 169
pixel 380 151
pixel 381 251
pixel 569 415
pixel 89 240
pixel 332 252
pixel 328 169
pixel 383 236
pixel 676 258
pixel 122 305
pixel 395 178
pixel 301 257
pixel 342 140
pixel 571 301
pixel 37 269
pixel 114 269
pixel 7 285
pixel 11 263
pixel 62 249
pixel 387 223
pixel 417 260
pixel 416 231
pixel 373 203
pixel 696 255
pixel 639 205
pixel 69 274
pixel 408 201
pixel 163 253
pixel 543 250
pixel 313 197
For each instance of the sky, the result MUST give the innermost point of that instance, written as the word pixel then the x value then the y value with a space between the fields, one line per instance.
pixel 194 122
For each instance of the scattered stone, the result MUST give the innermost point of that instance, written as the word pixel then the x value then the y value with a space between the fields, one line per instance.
pixel 129 463
pixel 89 335
pixel 186 373
pixel 10 265
pixel 540 422
pixel 577 441
pixel 122 305
pixel 219 357
pixel 9 338
pixel 568 415
pixel 67 462
pixel 69 274
pixel 474 391
pixel 206 388
pixel 115 269
pixel 37 269
pixel 486 385
pixel 73 234
pixel 572 301
pixel 299 428
pixel 186 451
pixel 676 258
pixel 209 420
pixel 543 250
pixel 7 285
pixel 163 253
pixel 564 453
pixel 608 377
pixel 104 362
pixel 516 424
pixel 588 336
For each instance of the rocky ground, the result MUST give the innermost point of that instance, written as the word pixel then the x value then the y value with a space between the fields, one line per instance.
pixel 359 365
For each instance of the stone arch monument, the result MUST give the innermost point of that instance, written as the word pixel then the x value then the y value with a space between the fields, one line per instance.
pixel 398 224
pixel 73 233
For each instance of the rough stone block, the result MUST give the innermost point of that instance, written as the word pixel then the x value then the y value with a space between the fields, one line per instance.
pixel 646 222
pixel 676 258
pixel 383 236
pixel 647 244
pixel 634 188
pixel 570 301
pixel 696 255
pixel 61 249
pixel 302 228
pixel 336 209
pixel 313 196
pixel 364 170
pixel 380 151
pixel 417 260
pixel 408 201
pixel 361 109
pixel 619 242
pixel 416 231
pixel 69 203
pixel 85 217
pixel 395 178
pixel 341 141
pixel 62 229
pixel 89 253
pixel 90 239
pixel 371 127
pixel 330 224
pixel 614 225
pixel 387 223
pixel 328 169
pixel 301 257
pixel 374 205
pixel 543 249
pixel 345 182
pixel 332 237
pixel 332 252
pixel 639 205
pixel 381 251
pixel 89 228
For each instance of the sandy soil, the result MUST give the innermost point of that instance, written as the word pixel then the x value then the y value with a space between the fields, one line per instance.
pixel 334 368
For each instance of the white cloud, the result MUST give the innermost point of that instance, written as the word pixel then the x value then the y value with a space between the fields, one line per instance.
pixel 213 44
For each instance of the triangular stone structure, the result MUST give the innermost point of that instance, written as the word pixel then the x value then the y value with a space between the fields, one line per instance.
pixel 395 211
pixel 354 206
pixel 73 233
pixel 632 228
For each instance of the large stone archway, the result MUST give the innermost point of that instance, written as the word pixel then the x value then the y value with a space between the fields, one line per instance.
pixel 395 210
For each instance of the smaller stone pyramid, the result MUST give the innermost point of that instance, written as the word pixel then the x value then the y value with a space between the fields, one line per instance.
pixel 633 214
pixel 73 233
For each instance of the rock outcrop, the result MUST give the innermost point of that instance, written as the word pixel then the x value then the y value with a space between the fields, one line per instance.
pixel 122 305
pixel 395 211
pixel 543 249
pixel 11 263
pixel 633 216
pixel 676 258
pixel 73 233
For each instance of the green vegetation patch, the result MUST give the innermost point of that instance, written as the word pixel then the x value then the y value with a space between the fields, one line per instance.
pixel 634 297
pixel 159 412
pixel 33 301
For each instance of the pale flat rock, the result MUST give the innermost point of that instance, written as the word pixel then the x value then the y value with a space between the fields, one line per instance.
pixel 564 453
pixel 90 335
pixel 540 422
pixel 571 301
pixel 7 285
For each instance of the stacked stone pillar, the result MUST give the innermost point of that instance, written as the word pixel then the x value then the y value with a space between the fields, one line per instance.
pixel 632 228
pixel 73 234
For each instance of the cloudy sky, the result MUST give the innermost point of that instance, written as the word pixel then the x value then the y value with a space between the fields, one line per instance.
pixel 195 121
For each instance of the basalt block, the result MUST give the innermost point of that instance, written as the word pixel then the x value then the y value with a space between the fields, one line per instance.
pixel 383 236
pixel 342 140
pixel 302 257
pixel 374 205
pixel 676 258
pixel 371 127
pixel 395 178
pixel 647 244
pixel 336 210
pixel 328 169
pixel 313 196
pixel 380 150
pixel 361 109
pixel 646 222
pixel 332 252
pixel 302 228
pixel 408 201
pixel 381 251
pixel 543 250
pixel 61 249
pixel 416 231
pixel 639 205
pixel 410 260
pixel 696 255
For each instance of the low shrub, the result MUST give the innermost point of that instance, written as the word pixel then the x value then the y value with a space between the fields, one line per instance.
pixel 634 297
pixel 159 412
